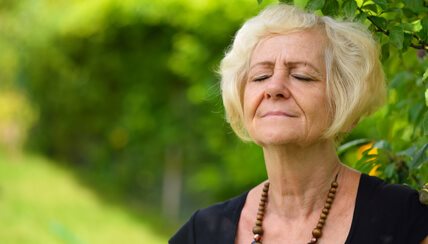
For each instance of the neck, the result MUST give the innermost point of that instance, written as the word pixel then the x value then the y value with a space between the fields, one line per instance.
pixel 300 177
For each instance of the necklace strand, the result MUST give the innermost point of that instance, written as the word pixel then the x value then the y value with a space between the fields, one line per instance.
pixel 316 232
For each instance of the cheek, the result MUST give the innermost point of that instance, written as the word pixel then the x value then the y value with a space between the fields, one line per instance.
pixel 249 98
pixel 319 110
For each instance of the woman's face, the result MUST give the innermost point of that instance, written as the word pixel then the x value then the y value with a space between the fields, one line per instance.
pixel 285 94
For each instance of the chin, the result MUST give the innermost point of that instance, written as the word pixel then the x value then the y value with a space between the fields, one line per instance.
pixel 275 139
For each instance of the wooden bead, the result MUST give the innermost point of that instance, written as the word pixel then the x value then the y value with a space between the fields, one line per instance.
pixel 323 216
pixel 329 200
pixel 332 190
pixel 325 211
pixel 258 223
pixel 319 225
pixel 334 184
pixel 316 233
pixel 331 195
pixel 321 221
pixel 327 205
pixel 259 216
pixel 258 230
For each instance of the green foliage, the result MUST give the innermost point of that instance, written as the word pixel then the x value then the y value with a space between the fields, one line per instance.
pixel 119 85
pixel 45 203
pixel 399 138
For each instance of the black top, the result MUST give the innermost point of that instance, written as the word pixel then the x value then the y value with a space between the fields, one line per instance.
pixel 384 213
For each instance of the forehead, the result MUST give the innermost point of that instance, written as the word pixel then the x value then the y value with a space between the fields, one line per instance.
pixel 300 46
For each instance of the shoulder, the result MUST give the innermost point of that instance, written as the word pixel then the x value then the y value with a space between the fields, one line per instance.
pixel 209 224
pixel 391 211
pixel 376 191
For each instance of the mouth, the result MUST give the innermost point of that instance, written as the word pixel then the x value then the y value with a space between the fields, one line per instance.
pixel 278 114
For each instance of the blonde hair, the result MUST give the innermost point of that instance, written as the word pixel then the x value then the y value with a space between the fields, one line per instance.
pixel 355 80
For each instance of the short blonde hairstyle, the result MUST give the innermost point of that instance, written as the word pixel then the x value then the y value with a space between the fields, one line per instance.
pixel 355 79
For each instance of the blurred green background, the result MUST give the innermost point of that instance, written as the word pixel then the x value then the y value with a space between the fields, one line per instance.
pixel 111 122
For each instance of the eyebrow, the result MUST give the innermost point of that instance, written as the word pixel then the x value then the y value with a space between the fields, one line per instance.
pixel 270 64
pixel 304 64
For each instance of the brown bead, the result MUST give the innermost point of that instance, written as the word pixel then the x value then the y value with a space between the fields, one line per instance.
pixel 323 216
pixel 321 221
pixel 261 208
pixel 266 187
pixel 334 184
pixel 316 233
pixel 263 198
pixel 258 230
pixel 262 204
pixel 332 190
pixel 260 216
pixel 327 205
pixel 325 211
pixel 319 226
pixel 331 195
pixel 329 200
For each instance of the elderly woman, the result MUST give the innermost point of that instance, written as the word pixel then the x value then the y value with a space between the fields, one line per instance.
pixel 293 83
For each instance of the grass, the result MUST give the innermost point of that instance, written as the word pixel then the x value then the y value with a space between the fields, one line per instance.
pixel 44 203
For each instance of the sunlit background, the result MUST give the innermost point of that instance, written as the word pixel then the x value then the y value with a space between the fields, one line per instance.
pixel 111 123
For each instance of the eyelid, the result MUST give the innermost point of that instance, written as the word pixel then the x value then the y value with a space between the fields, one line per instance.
pixel 303 77
pixel 260 77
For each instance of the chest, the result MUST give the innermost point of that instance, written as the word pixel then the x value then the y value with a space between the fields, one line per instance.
pixel 277 230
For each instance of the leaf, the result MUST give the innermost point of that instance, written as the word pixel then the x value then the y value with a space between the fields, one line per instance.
pixel 424 78
pixel 426 95
pixel 344 147
pixel 349 7
pixel 420 157
pixel 414 5
pixel 382 144
pixel 415 111
pixel 397 36
pixel 385 51
pixel 382 3
pixel 389 170
pixel 287 1
pixel 380 22
pixel 331 8
pixel 425 123
pixel 423 33
pixel 408 152
pixel 407 40
pixel 360 17
pixel 370 7
pixel 259 1
pixel 313 5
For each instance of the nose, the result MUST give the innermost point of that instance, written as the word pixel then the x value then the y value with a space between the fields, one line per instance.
pixel 277 87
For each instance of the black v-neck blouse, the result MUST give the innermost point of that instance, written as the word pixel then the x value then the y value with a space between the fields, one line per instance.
pixel 384 214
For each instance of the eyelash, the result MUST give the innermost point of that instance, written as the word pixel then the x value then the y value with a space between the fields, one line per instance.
pixel 298 77
pixel 261 78
pixel 302 78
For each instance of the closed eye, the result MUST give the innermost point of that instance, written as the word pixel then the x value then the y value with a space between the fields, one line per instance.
pixel 261 78
pixel 302 77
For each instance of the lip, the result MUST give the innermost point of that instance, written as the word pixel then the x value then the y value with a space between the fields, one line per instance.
pixel 277 113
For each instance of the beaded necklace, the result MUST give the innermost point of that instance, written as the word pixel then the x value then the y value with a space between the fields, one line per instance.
pixel 316 233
